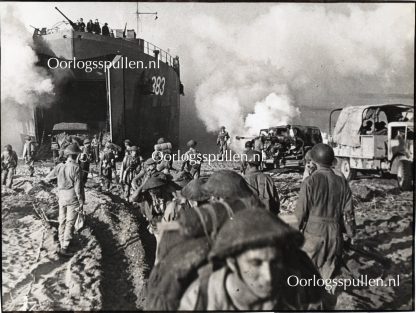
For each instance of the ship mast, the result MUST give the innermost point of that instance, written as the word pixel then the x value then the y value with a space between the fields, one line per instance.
pixel 138 13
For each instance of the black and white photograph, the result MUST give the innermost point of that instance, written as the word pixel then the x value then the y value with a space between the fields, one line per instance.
pixel 207 156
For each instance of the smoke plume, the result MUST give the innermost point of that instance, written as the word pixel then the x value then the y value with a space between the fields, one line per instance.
pixel 24 86
pixel 286 64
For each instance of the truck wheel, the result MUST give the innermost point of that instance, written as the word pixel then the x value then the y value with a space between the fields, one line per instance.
pixel 348 172
pixel 404 175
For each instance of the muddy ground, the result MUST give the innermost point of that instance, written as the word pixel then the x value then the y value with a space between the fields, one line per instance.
pixel 114 252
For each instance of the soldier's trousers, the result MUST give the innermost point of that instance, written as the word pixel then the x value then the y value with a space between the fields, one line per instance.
pixel 67 217
pixel 223 148
pixel 106 179
pixel 30 164
pixel 7 177
pixel 96 154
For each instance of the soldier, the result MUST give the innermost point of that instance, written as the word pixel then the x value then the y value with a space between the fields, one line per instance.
pixel 95 143
pixel 324 211
pixel 81 25
pixel 90 26
pixel 243 164
pixel 97 27
pixel 9 161
pixel 131 166
pixel 163 156
pixel 157 194
pixel 127 145
pixel 261 183
pixel 196 227
pixel 106 30
pixel 222 140
pixel 108 164
pixel 193 160
pixel 148 170
pixel 257 253
pixel 71 196
pixel 29 154
pixel 192 195
pixel 86 158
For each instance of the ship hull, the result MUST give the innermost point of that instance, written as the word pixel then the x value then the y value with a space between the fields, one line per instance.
pixel 140 103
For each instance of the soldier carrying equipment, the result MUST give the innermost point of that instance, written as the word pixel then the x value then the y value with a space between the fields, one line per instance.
pixel 8 166
pixel 324 211
pixel 254 267
pixel 29 155
pixel 222 141
pixel 261 183
pixel 71 195
pixel 131 166
pixel 193 160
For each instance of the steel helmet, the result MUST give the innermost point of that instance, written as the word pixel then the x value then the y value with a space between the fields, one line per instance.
pixel 127 141
pixel 72 149
pixel 254 157
pixel 191 143
pixel 250 229
pixel 86 141
pixel 227 184
pixel 194 191
pixel 322 154
pixel 154 182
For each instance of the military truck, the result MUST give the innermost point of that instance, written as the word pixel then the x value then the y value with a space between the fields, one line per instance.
pixel 374 138
pixel 78 131
pixel 285 145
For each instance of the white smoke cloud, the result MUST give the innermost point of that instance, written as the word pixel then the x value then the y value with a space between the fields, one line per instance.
pixel 273 111
pixel 24 85
pixel 297 56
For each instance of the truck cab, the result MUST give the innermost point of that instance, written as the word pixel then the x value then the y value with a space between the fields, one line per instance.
pixel 375 138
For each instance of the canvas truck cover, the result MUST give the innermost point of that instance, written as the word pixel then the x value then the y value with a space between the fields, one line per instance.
pixel 348 125
pixel 70 126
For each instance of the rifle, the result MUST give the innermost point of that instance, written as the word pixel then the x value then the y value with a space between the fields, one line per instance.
pixel 73 25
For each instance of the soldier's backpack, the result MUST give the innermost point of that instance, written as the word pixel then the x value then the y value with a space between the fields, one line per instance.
pixel 183 252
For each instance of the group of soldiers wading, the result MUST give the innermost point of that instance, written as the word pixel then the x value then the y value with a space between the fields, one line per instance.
pixel 221 244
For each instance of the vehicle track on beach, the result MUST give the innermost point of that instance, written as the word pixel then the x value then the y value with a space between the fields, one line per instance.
pixel 125 263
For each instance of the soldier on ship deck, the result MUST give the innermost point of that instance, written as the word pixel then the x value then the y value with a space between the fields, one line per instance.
pixel 105 30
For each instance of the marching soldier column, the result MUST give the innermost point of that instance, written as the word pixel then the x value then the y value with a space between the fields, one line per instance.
pixel 222 233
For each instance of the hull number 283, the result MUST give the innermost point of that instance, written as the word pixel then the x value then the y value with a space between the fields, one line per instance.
pixel 158 85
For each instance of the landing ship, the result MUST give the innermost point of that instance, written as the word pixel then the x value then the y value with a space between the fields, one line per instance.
pixel 138 98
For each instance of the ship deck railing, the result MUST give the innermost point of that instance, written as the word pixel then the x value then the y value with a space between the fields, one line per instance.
pixel 164 56
pixel 148 47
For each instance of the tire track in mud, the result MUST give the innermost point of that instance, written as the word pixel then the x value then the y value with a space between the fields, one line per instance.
pixel 121 234
pixel 116 287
